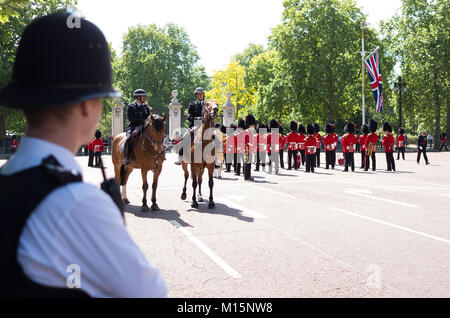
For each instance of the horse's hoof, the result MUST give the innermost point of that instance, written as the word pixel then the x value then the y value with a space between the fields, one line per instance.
pixel 200 199
pixel 183 196
pixel 155 207
pixel 145 208
pixel 211 205
pixel 126 201
pixel 194 205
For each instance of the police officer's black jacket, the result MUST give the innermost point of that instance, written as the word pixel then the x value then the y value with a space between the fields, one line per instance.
pixel 195 110
pixel 137 114
pixel 422 141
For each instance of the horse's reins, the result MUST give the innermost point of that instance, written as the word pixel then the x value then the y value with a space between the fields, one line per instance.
pixel 152 142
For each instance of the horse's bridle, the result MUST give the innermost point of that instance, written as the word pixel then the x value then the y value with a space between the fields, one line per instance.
pixel 152 142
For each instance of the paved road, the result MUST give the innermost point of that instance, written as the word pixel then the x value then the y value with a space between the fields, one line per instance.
pixel 328 234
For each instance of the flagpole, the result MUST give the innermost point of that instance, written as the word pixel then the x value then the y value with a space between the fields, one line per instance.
pixel 362 71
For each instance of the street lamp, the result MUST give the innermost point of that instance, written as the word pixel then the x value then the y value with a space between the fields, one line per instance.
pixel 399 86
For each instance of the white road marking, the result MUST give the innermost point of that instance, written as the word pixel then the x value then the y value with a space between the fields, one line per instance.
pixel 394 225
pixel 244 210
pixel 367 194
pixel 227 268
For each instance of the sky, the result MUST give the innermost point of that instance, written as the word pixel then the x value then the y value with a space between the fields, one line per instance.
pixel 218 28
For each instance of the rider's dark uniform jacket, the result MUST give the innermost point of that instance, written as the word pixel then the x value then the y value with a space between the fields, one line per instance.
pixel 137 114
pixel 195 110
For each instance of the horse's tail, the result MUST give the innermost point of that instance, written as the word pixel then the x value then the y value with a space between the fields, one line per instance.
pixel 122 174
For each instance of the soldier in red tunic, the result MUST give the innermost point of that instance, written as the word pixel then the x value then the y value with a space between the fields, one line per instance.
pixel 310 143
pixel 302 143
pixel 388 143
pixel 362 142
pixel 239 145
pixel 443 142
pixel 229 149
pixel 371 145
pixel 261 141
pixel 330 144
pixel 282 142
pixel 273 144
pixel 401 143
pixel 319 142
pixel 250 146
pixel 348 146
pixel 91 154
pixel 292 141
pixel 99 147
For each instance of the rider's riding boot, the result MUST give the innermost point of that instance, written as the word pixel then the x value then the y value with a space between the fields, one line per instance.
pixel 126 155
pixel 180 157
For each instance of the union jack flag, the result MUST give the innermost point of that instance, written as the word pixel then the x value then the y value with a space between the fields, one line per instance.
pixel 373 68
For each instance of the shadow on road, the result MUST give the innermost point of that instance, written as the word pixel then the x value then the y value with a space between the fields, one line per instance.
pixel 221 209
pixel 168 215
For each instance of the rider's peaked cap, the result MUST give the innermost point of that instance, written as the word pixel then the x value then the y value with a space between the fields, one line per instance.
pixel 61 59
pixel 199 90
pixel 139 92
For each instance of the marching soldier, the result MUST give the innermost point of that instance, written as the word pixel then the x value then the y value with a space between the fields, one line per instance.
pixel 91 154
pixel 319 142
pixel 282 141
pixel 443 142
pixel 239 146
pixel 422 147
pixel 219 140
pixel 250 146
pixel 349 145
pixel 330 144
pixel 229 147
pixel 388 143
pixel 302 142
pixel 137 113
pixel 371 145
pixel 262 147
pixel 273 144
pixel 401 143
pixel 362 143
pixel 195 113
pixel 310 144
pixel 292 141
pixel 99 147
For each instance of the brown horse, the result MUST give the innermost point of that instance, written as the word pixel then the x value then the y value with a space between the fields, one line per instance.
pixel 197 168
pixel 149 155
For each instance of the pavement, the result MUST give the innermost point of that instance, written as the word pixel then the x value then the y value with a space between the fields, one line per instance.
pixel 327 234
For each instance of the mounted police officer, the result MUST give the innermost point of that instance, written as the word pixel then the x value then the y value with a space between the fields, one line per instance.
pixel 195 116
pixel 137 112
pixel 60 236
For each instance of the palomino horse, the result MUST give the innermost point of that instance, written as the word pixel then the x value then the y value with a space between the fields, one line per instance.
pixel 149 155
pixel 197 168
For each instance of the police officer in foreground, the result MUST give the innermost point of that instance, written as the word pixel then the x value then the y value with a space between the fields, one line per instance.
pixel 137 112
pixel 195 113
pixel 59 236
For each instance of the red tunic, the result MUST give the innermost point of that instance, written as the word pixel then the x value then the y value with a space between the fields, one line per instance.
pixel 301 142
pixel 98 145
pixel 348 143
pixel 372 138
pixel 330 142
pixel 13 144
pixel 311 143
pixel 401 141
pixel 362 142
pixel 319 140
pixel 229 145
pixel 262 143
pixel 275 142
pixel 388 143
pixel 91 146
pixel 292 140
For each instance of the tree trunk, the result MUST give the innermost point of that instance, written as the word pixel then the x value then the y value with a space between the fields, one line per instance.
pixel 437 108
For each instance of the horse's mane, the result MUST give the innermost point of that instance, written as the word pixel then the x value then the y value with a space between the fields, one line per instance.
pixel 159 122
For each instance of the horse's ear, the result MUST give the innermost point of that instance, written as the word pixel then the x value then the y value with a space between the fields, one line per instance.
pixel 152 118
pixel 163 118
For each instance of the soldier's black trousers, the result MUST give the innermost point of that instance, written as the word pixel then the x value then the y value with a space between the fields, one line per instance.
pixel 239 161
pixel 290 154
pixel 442 146
pixel 400 150
pixel 330 159
pixel 303 155
pixel 318 157
pixel 247 171
pixel 424 151
pixel 374 163
pixel 260 160
pixel 363 156
pixel 91 159
pixel 310 163
pixel 390 161
pixel 97 156
pixel 349 160
pixel 281 158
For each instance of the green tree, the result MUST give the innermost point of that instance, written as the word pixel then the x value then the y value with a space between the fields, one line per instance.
pixel 250 52
pixel 159 60
pixel 318 40
pixel 418 39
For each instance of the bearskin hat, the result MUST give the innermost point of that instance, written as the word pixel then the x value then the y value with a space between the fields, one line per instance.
pixel 365 129
pixel 217 125
pixel 401 131
pixel 98 134
pixel 301 129
pixel 387 127
pixel 273 124
pixel 223 129
pixel 333 128
pixel 241 123
pixel 310 129
pixel 328 128
pixel 350 127
pixel 443 134
pixel 373 125
pixel 293 126
pixel 250 120
pixel 280 128
pixel 232 126
pixel 316 128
